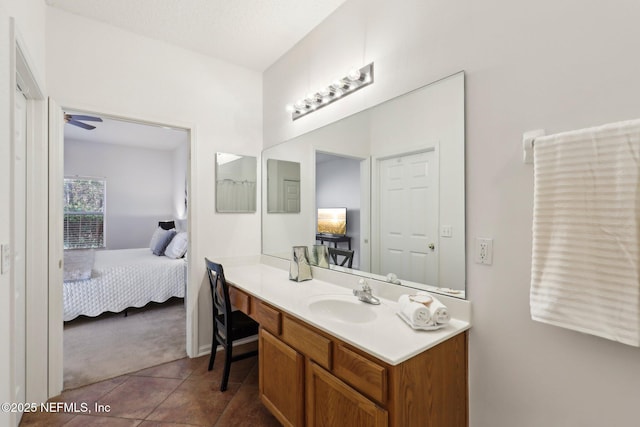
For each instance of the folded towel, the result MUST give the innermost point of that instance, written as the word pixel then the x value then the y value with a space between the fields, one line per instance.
pixel 417 313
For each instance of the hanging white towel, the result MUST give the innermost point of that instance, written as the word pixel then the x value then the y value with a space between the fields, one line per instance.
pixel 585 267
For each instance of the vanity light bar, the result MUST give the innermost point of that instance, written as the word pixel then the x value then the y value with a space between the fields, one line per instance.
pixel 356 79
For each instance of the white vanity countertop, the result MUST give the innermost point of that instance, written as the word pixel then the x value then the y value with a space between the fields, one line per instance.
pixel 387 337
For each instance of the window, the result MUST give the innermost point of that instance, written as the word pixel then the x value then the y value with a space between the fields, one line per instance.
pixel 84 213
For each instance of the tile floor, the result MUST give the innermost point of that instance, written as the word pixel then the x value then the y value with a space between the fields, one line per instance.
pixel 179 393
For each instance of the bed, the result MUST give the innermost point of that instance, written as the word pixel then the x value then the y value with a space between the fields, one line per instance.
pixel 114 280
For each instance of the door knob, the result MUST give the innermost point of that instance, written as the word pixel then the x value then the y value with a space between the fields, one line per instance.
pixel 432 246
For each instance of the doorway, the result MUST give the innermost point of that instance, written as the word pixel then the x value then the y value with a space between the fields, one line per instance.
pixel 121 179
pixel 339 183
pixel 180 203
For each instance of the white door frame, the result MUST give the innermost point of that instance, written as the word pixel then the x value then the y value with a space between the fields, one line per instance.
pixel 56 176
pixel 36 216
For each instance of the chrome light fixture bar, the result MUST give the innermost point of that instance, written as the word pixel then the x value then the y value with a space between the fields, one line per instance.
pixel 355 80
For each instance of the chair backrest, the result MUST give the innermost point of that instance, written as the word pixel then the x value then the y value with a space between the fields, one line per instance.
pixel 334 253
pixel 219 292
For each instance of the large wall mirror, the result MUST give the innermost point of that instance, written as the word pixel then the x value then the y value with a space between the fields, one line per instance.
pixel 389 181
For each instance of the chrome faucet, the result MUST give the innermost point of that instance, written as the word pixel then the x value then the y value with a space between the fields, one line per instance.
pixel 365 294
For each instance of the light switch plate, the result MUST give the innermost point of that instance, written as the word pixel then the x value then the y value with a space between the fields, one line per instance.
pixel 5 258
pixel 446 231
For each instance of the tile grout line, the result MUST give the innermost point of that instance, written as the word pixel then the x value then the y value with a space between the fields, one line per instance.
pixel 165 399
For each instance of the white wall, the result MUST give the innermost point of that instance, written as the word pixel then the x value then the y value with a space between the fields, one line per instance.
pixel 180 171
pixel 545 64
pixel 139 187
pixel 116 72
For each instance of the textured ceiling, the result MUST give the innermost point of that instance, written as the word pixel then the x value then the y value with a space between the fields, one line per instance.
pixel 251 33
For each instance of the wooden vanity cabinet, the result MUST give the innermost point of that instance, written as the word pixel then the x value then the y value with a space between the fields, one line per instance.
pixel 281 373
pixel 311 378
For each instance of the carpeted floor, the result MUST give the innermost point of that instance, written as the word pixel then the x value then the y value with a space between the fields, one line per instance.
pixel 112 344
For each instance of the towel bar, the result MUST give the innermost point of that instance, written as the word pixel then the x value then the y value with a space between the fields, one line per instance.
pixel 528 139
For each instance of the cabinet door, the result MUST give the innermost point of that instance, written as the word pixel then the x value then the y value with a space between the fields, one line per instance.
pixel 332 403
pixel 281 380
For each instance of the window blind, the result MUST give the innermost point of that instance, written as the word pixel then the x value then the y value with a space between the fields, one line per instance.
pixel 84 213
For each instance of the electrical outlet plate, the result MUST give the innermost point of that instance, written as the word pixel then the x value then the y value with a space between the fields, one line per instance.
pixel 484 250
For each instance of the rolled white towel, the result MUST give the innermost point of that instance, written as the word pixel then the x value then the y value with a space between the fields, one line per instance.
pixel 439 312
pixel 418 314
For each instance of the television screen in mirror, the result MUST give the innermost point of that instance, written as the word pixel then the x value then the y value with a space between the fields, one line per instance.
pixel 236 178
pixel 332 221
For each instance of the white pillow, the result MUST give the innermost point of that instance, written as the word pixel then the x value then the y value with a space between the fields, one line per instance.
pixel 178 246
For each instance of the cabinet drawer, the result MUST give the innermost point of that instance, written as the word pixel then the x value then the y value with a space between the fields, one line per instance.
pixel 239 299
pixel 364 374
pixel 307 341
pixel 332 402
pixel 268 318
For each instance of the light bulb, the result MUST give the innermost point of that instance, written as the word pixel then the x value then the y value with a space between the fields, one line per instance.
pixel 326 91
pixel 341 84
pixel 354 74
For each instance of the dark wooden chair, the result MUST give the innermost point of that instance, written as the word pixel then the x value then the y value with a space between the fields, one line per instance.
pixel 228 325
pixel 347 254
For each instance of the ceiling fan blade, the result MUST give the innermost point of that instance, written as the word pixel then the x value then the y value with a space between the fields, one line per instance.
pixel 80 124
pixel 85 118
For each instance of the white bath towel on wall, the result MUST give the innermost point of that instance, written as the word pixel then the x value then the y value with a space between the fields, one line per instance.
pixel 585 269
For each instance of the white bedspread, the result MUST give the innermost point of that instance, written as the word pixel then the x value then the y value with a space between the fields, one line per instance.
pixel 78 264
pixel 124 278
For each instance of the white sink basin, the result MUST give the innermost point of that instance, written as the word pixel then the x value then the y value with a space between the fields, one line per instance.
pixel 343 308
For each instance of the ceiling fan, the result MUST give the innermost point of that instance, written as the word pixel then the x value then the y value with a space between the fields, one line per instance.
pixel 73 119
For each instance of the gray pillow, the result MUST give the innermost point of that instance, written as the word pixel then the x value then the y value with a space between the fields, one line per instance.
pixel 163 240
pixel 155 237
